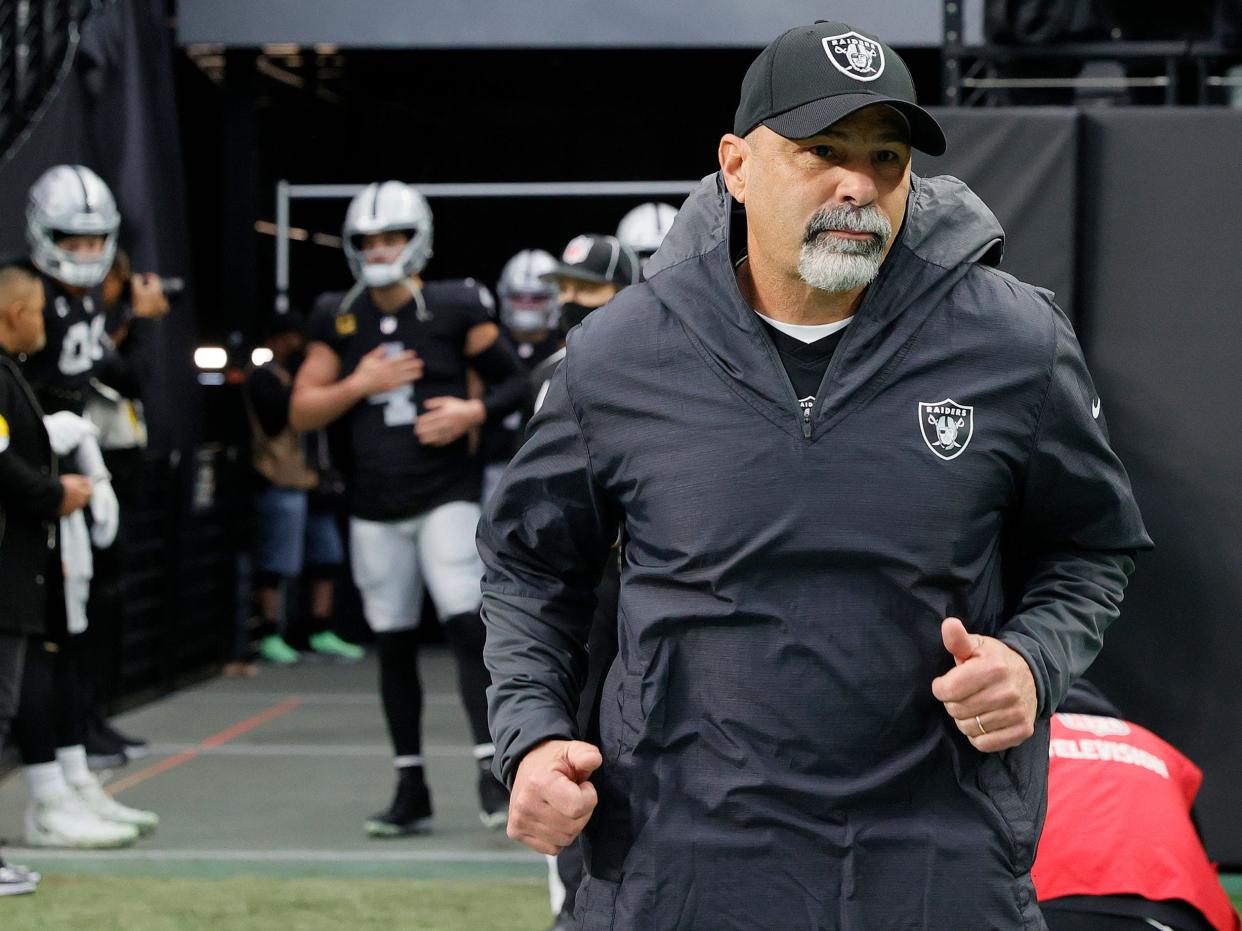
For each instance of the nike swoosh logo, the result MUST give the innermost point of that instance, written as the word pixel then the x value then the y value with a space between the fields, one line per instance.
pixel 1095 409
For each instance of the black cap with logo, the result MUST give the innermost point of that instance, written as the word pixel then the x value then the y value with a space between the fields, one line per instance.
pixel 812 76
pixel 602 259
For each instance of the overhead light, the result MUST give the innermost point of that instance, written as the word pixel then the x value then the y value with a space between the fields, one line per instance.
pixel 211 357
pixel 261 356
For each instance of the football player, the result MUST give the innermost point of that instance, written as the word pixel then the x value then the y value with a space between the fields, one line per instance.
pixel 529 311
pixel 72 224
pixel 389 360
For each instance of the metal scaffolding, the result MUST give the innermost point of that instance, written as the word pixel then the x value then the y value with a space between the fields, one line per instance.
pixel 286 193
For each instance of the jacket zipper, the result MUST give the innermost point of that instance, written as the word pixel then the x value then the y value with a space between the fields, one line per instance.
pixel 834 362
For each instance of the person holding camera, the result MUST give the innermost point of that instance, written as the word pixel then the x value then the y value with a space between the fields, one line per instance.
pixel 296 528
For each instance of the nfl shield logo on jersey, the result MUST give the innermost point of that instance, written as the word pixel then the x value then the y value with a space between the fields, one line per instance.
pixel 859 57
pixel 947 427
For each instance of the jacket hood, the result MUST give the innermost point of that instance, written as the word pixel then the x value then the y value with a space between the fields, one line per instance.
pixel 947 231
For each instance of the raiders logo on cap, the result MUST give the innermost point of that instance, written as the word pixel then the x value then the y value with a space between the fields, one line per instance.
pixel 855 55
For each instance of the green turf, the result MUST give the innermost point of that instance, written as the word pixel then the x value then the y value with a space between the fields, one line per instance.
pixel 70 903
pixel 118 903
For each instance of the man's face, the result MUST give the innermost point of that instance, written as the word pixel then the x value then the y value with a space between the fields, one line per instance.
pixel 589 294
pixel 578 298
pixel 84 246
pixel 826 209
pixel 383 248
pixel 29 330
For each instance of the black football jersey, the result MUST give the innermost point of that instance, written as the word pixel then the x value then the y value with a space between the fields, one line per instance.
pixel 501 440
pixel 393 475
pixel 77 347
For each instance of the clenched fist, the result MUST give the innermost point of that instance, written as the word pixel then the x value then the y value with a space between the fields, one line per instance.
pixel 552 799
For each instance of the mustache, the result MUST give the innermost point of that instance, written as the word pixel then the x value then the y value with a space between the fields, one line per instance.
pixel 851 219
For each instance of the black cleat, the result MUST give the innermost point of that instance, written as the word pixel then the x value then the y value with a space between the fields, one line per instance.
pixel 493 801
pixel 410 811
pixel 133 747
pixel 103 751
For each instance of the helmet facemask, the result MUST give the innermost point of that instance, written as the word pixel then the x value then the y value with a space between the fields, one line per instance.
pixel 383 274
pixel 390 206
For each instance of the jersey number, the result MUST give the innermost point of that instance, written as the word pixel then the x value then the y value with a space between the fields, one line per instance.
pixel 83 346
pixel 398 403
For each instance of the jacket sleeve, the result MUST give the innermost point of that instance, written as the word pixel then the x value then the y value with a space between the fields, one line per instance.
pixel 1078 526
pixel 23 488
pixel 543 541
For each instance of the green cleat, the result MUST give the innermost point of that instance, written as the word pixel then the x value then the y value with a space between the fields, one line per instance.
pixel 273 649
pixel 326 643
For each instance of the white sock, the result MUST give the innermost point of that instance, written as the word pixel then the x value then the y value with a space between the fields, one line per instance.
pixel 46 782
pixel 72 762
pixel 401 762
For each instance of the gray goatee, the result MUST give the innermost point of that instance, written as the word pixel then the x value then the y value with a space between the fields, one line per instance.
pixel 838 265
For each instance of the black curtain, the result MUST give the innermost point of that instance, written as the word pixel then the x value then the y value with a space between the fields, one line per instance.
pixel 1023 162
pixel 1160 324
pixel 116 113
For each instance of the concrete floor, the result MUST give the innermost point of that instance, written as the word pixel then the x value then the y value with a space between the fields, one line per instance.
pixel 275 775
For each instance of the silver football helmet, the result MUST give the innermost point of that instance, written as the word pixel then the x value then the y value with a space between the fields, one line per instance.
pixel 71 200
pixel 528 303
pixel 379 208
pixel 644 227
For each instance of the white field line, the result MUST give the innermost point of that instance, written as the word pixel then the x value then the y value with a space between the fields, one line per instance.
pixel 278 856
pixel 302 750
pixel 211 697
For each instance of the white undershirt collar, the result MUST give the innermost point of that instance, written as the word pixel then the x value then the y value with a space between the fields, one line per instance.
pixel 804 332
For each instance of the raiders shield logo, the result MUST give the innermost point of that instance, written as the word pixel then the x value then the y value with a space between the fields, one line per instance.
pixel 859 57
pixel 947 427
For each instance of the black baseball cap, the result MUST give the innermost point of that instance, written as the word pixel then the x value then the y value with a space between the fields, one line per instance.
pixel 603 259
pixel 812 76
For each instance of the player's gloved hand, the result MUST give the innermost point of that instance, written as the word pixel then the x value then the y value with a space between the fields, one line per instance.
pixel 446 420
pixel 66 430
pixel 378 371
pixel 552 796
pixel 990 691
